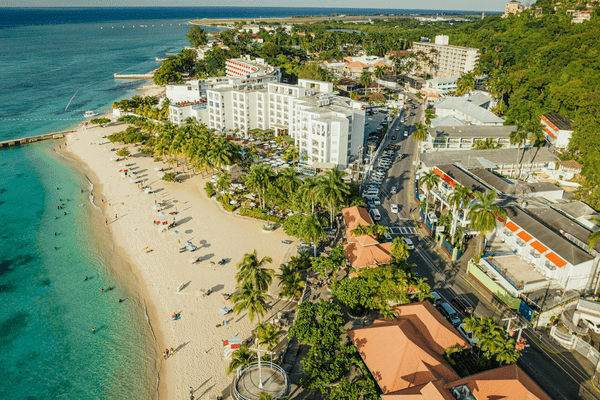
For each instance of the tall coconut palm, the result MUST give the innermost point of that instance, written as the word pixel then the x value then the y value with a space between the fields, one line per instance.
pixel 420 132
pixel 465 83
pixel 250 299
pixel 224 181
pixel 259 178
pixel 429 115
pixel 507 353
pixel 309 190
pixel 241 358
pixel 458 199
pixel 365 80
pixel 289 180
pixel 421 289
pixel 430 180
pixel 379 73
pixel 484 213
pixel 400 250
pixel 253 270
pixel 312 230
pixel 332 190
pixel 268 335
pixel 289 280
pixel 485 144
pixel 519 137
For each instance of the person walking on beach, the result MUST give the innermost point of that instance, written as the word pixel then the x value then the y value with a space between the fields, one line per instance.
pixel 116 217
pixel 106 221
pixel 172 351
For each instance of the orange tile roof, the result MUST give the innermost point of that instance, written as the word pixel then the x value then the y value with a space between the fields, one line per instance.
pixel 525 236
pixel 511 226
pixel 556 260
pixel 364 256
pixel 509 382
pixel 432 325
pixel 399 356
pixel 539 247
pixel 356 64
pixel 356 215
pixel 429 391
pixel 381 64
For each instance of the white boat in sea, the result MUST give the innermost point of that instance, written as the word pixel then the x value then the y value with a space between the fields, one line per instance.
pixel 89 114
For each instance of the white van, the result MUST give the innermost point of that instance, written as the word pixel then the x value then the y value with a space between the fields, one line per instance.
pixel 375 214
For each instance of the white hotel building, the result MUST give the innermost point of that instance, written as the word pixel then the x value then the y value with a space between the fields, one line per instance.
pixel 448 61
pixel 327 128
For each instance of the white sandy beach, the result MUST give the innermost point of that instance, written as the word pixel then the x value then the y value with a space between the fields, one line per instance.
pixel 199 363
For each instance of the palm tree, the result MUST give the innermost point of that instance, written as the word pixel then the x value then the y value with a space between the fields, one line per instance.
pixel 429 115
pixel 430 180
pixel 269 335
pixel 507 353
pixel 421 288
pixel 485 144
pixel 458 199
pixel 251 300
pixel 484 213
pixel 241 358
pixel 309 191
pixel 365 79
pixel 289 180
pixel 259 180
pixel 252 270
pixel 312 230
pixel 360 230
pixel 289 279
pixel 594 236
pixel 400 250
pixel 420 132
pixel 379 73
pixel 519 137
pixel 332 190
pixel 465 83
pixel 265 396
pixel 224 181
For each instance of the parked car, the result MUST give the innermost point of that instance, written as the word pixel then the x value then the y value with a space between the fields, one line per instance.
pixel 450 314
pixel 394 208
pixel 409 243
pixel 405 133
pixel 388 237
pixel 462 305
pixel 437 299
pixel 468 335
pixel 393 137
pixel 393 190
pixel 377 201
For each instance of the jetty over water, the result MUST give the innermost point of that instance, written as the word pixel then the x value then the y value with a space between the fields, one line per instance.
pixel 32 139
pixel 149 75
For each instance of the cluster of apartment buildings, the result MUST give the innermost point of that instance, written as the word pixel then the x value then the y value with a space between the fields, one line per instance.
pixel 515 7
pixel 541 245
pixel 443 60
pixel 327 129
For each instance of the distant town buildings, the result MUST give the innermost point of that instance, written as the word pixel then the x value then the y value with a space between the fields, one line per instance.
pixel 580 16
pixel 513 8
pixel 443 60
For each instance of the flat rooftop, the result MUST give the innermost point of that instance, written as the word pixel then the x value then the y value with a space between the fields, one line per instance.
pixel 519 268
pixel 472 131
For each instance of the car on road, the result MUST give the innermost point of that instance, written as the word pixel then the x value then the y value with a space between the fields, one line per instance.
pixel 394 208
pixel 468 335
pixel 393 137
pixel 377 201
pixel 450 314
pixel 398 128
pixel 412 114
pixel 409 243
pixel 405 133
pixel 388 237
pixel 401 155
pixel 393 190
pixel 462 306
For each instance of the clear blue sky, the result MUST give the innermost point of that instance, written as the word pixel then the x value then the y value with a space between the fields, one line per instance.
pixel 467 5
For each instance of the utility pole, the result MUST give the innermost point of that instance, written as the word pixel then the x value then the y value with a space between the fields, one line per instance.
pixel 509 319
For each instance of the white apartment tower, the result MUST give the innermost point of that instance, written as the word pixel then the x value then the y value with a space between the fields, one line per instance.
pixel 326 128
pixel 447 61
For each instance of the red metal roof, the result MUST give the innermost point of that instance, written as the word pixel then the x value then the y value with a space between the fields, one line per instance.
pixel 556 260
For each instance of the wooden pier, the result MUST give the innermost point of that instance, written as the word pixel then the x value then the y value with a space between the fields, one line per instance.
pixel 32 139
pixel 149 75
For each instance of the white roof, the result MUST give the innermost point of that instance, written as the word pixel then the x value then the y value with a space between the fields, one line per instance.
pixel 466 107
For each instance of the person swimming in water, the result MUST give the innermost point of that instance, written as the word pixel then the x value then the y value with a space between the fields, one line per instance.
pixel 65 213
pixel 120 300
pixel 54 233
pixel 94 330
pixel 86 278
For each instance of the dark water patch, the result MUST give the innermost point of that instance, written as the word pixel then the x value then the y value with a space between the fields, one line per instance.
pixel 45 282
pixel 8 288
pixel 11 328
pixel 5 266
pixel 2 190
pixel 2 202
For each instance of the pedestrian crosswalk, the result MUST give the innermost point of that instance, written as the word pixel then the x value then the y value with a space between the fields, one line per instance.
pixel 403 230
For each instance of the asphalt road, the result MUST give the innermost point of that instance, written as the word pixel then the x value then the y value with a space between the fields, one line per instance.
pixel 554 369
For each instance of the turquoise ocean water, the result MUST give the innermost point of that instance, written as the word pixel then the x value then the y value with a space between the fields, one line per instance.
pixel 55 64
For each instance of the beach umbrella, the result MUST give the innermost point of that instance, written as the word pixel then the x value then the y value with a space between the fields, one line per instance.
pixel 194 260
pixel 105 149
pixel 147 190
pixel 174 233
pixel 160 174
pixel 132 180
pixel 112 159
pixel 162 228
pixel 223 311
pixel 157 168
pixel 121 164
pixel 156 207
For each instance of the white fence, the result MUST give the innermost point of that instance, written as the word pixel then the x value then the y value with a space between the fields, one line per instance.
pixel 574 342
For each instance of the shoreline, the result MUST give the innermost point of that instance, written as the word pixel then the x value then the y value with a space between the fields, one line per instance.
pixel 198 336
